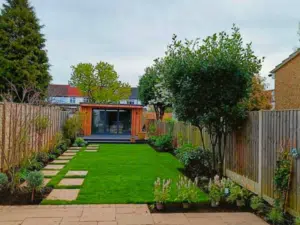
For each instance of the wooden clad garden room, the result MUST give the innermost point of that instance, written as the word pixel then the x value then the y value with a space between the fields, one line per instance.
pixel 110 119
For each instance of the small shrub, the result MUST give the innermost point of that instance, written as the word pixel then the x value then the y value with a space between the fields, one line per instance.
pixel 35 181
pixel 3 181
pixel 237 193
pixel 152 139
pixel 67 142
pixel 23 173
pixel 187 191
pixel 196 160
pixel 72 127
pixel 75 145
pixel 297 221
pixel 257 204
pixel 276 216
pixel 152 129
pixel 164 142
pixel 52 156
pixel 80 142
pixel 56 152
pixel 215 193
pixel 32 164
pixel 42 157
pixel 162 190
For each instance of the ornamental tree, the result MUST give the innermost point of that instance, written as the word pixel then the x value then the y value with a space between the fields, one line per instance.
pixel 23 57
pixel 209 81
pixel 153 89
pixel 99 83
pixel 260 98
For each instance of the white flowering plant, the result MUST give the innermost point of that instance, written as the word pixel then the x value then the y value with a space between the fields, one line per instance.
pixel 162 189
pixel 187 191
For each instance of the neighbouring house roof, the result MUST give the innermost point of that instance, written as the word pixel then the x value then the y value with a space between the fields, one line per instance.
pixel 292 56
pixel 57 90
pixel 66 90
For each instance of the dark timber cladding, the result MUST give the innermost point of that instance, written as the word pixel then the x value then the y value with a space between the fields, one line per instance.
pixel 111 119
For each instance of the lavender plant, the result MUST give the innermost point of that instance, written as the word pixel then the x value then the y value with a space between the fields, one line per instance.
pixel 187 191
pixel 162 190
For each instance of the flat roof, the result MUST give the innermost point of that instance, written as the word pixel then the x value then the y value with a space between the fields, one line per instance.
pixel 110 106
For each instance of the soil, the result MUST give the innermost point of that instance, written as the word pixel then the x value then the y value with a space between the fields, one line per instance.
pixel 202 208
pixel 23 197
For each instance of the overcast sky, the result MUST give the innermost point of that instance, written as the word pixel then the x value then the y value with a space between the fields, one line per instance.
pixel 131 33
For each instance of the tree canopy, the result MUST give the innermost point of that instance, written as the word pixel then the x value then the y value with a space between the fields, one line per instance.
pixel 99 82
pixel 23 57
pixel 153 90
pixel 260 98
pixel 209 81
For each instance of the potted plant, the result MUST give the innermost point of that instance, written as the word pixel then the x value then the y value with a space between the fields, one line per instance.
pixel 142 135
pixel 162 190
pixel 215 194
pixel 186 191
pixel 238 195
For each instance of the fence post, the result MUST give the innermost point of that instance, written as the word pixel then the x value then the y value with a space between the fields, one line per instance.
pixel 259 153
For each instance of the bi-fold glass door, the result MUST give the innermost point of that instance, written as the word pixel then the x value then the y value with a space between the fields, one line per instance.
pixel 111 121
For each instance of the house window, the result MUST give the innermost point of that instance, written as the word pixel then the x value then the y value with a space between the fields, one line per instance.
pixel 72 100
pixel 85 99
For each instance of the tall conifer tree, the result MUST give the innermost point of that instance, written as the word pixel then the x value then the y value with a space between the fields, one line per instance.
pixel 23 58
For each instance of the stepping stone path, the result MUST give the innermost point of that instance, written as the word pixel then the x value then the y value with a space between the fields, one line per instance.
pixel 71 182
pixel 91 150
pixel 70 151
pixel 69 154
pixel 50 173
pixel 65 157
pixel 71 173
pixel 54 167
pixel 63 194
pixel 75 148
pixel 63 161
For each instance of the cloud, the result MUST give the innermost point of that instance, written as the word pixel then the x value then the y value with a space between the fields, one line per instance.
pixel 130 34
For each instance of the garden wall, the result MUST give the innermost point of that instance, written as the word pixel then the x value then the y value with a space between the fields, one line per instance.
pixel 252 151
pixel 18 134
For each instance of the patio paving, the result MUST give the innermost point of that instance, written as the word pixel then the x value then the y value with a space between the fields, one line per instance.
pixel 71 182
pixel 76 173
pixel 53 167
pixel 49 173
pixel 63 161
pixel 115 215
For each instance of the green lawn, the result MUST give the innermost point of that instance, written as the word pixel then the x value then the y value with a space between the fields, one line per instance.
pixel 121 173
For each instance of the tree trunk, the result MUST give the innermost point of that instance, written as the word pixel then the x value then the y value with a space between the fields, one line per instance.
pixel 202 138
pixel 32 195
pixel 161 112
pixel 156 112
pixel 220 163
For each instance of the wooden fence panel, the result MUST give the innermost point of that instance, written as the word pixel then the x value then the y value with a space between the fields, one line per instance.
pixel 252 150
pixel 18 134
